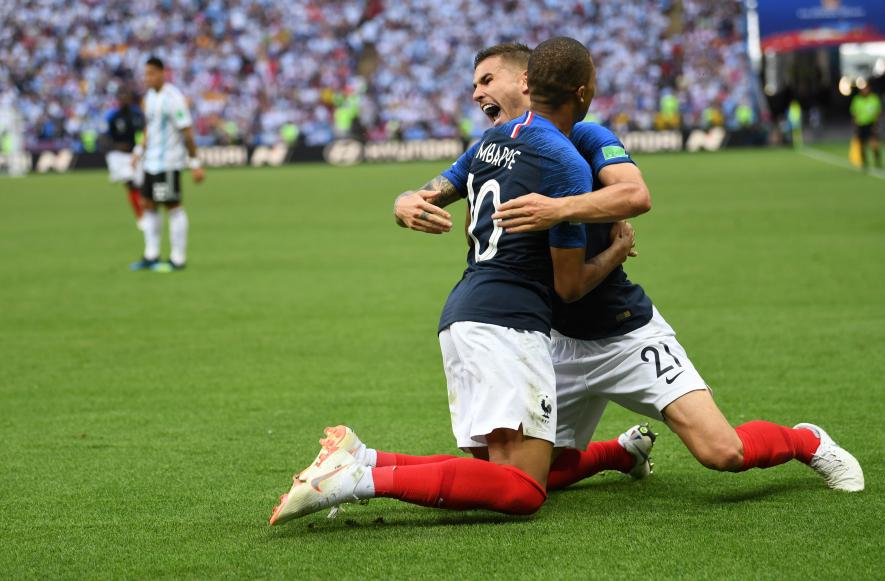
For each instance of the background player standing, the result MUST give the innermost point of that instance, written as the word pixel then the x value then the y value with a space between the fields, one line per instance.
pixel 866 107
pixel 125 125
pixel 168 148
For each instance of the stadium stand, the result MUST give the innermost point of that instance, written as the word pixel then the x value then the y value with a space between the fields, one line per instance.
pixel 263 71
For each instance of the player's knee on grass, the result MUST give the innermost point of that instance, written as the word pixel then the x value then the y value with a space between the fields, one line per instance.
pixel 525 497
pixel 532 456
pixel 699 423
pixel 466 484
pixel 723 454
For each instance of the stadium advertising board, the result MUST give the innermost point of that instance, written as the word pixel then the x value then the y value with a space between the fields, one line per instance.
pixel 17 163
pixel 786 25
pixel 352 152
pixel 345 152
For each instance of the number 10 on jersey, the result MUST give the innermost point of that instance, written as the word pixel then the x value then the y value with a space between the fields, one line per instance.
pixel 487 228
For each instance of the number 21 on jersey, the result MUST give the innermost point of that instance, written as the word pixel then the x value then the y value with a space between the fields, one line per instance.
pixel 487 228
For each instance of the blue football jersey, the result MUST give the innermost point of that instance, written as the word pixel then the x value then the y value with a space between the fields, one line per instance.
pixel 616 306
pixel 123 124
pixel 509 277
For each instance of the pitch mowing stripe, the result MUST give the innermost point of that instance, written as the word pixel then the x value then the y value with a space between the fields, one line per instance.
pixel 831 159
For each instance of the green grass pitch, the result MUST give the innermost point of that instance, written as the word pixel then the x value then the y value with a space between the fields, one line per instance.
pixel 149 422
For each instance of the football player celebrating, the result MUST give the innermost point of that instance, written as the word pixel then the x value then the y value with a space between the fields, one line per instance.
pixel 613 345
pixel 124 124
pixel 494 327
pixel 168 148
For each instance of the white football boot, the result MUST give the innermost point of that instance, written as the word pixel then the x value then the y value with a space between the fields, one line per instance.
pixel 337 438
pixel 639 440
pixel 343 437
pixel 330 483
pixel 839 469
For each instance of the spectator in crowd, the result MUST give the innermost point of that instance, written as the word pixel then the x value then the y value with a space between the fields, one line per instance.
pixel 259 71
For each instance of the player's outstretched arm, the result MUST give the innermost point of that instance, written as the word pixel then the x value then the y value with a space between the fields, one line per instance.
pixel 623 196
pixel 422 210
pixel 573 277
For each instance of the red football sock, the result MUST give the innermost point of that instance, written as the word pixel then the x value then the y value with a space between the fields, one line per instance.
pixel 135 202
pixel 767 444
pixel 461 484
pixel 574 465
pixel 394 459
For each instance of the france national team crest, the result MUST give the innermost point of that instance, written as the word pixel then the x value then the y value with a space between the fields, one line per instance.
pixel 546 408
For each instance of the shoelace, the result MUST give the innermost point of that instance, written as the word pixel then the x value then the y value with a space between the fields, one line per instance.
pixel 832 465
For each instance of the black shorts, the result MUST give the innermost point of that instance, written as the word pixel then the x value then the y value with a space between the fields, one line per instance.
pixel 865 132
pixel 163 188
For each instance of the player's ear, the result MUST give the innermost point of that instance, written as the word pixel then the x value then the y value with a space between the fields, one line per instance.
pixel 581 94
pixel 524 82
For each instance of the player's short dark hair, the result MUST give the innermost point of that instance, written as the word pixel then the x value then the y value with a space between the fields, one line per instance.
pixel 557 68
pixel 126 92
pixel 155 62
pixel 514 52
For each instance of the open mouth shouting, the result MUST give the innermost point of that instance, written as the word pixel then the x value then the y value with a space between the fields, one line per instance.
pixel 493 112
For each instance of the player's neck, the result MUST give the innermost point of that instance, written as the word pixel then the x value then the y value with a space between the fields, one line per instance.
pixel 562 117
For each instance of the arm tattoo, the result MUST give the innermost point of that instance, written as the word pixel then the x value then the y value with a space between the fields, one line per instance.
pixel 447 191
pixel 447 194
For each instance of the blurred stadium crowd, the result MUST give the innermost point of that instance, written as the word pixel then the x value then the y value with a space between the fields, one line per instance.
pixel 262 71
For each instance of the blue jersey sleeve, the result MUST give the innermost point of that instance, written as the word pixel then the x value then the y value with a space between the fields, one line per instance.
pixel 457 174
pixel 568 236
pixel 568 176
pixel 599 146
pixel 138 116
pixel 108 119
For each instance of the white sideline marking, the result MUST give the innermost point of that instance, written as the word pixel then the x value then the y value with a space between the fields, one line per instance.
pixel 831 159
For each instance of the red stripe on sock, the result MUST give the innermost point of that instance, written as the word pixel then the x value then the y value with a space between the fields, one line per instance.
pixel 767 444
pixel 574 465
pixel 461 484
pixel 394 459
pixel 135 202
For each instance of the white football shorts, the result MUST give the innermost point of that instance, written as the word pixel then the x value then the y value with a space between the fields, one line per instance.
pixel 644 371
pixel 498 377
pixel 121 170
